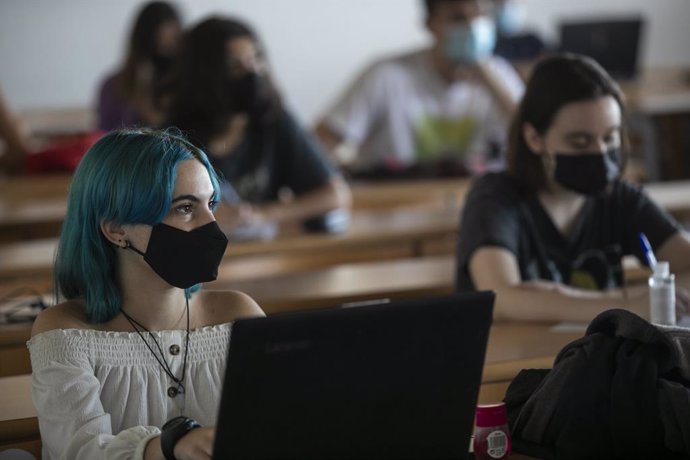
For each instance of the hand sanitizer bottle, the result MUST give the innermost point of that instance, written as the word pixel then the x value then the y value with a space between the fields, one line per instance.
pixel 662 295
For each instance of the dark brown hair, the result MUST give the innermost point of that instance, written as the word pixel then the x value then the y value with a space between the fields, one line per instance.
pixel 556 80
pixel 430 5
pixel 142 42
pixel 201 101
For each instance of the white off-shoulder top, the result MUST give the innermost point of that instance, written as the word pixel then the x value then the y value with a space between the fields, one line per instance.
pixel 103 395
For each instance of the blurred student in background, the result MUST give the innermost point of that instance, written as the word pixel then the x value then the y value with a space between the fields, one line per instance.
pixel 127 97
pixel 442 110
pixel 549 234
pixel 13 142
pixel 224 99
pixel 513 42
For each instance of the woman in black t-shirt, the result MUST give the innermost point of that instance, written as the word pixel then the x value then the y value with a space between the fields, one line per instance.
pixel 223 98
pixel 549 234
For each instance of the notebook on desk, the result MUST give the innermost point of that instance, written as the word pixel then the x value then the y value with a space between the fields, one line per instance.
pixel 614 43
pixel 393 380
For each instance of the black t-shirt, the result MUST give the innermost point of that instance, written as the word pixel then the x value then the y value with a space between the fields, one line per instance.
pixel 274 156
pixel 497 213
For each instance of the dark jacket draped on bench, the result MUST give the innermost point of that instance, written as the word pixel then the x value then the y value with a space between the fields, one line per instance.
pixel 620 392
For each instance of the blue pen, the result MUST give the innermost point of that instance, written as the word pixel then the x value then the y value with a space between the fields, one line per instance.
pixel 647 251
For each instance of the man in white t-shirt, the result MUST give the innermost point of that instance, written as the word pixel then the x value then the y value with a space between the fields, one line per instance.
pixel 440 110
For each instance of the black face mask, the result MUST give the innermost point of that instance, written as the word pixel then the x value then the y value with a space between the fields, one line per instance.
pixel 250 94
pixel 162 64
pixel 184 259
pixel 587 173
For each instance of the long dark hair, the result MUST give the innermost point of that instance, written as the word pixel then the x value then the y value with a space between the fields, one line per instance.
pixel 555 81
pixel 200 100
pixel 142 42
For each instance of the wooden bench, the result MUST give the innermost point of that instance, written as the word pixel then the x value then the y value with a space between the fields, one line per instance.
pixel 34 206
pixel 354 282
pixel 320 288
pixel 373 235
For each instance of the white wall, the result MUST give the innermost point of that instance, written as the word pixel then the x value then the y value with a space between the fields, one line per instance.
pixel 54 52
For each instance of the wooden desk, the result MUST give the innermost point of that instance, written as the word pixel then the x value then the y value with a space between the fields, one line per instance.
pixel 515 346
pixel 18 422
pixel 14 356
pixel 406 231
pixel 435 193
pixel 410 278
pixel 662 97
pixel 347 283
pixel 19 192
pixel 355 282
pixel 511 347
pixel 32 207
pixel 659 91
pixel 59 121
pixel 673 196
pixel 29 259
pixel 373 235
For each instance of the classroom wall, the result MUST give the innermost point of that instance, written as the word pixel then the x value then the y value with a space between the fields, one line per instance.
pixel 54 52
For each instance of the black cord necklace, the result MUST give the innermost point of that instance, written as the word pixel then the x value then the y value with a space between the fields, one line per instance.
pixel 138 327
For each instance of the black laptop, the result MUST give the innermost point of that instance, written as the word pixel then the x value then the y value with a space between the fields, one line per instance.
pixel 613 43
pixel 391 380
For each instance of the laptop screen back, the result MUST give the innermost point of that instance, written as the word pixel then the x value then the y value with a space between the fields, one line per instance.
pixel 614 44
pixel 397 380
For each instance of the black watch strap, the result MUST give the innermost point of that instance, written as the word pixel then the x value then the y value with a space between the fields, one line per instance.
pixel 172 431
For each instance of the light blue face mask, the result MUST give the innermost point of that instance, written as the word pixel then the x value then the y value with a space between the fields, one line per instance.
pixel 510 18
pixel 470 43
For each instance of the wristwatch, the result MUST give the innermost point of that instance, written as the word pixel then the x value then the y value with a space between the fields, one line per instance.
pixel 172 431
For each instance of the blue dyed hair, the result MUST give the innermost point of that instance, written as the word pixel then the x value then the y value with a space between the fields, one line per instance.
pixel 127 177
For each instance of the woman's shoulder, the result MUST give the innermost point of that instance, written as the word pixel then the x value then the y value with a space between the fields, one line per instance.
pixel 625 194
pixel 500 186
pixel 226 306
pixel 67 315
pixel 109 85
pixel 628 187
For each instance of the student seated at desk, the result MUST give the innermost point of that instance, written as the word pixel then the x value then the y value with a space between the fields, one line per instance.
pixel 549 234
pixel 127 98
pixel 13 152
pixel 513 42
pixel 136 344
pixel 438 111
pixel 224 99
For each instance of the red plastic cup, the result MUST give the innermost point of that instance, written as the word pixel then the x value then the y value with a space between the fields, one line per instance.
pixel 491 434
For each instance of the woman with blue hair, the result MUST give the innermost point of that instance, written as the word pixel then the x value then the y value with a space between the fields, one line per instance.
pixel 130 365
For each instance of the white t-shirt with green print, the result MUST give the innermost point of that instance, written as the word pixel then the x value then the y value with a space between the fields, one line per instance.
pixel 400 113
